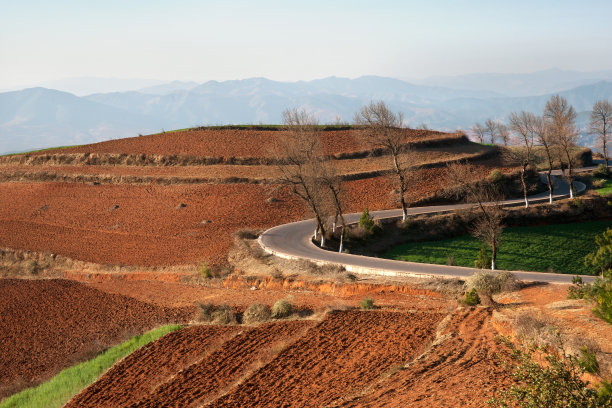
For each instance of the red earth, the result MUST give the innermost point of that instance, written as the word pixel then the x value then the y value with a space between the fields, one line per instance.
pixel 295 363
pixel 48 325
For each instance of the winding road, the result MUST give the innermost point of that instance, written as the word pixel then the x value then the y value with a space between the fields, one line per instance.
pixel 294 241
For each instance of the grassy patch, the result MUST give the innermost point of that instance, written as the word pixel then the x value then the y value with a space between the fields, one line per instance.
pixel 606 189
pixel 560 248
pixel 57 391
pixel 42 150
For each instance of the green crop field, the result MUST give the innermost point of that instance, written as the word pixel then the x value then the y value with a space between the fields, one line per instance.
pixel 57 391
pixel 560 248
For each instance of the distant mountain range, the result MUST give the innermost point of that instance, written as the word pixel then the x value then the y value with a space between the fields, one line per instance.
pixel 40 117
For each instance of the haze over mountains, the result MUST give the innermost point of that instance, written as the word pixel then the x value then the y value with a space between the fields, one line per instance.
pixel 41 117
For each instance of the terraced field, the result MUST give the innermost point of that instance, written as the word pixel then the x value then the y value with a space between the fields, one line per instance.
pixel 295 363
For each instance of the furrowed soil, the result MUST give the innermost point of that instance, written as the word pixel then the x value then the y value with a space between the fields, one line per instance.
pixel 48 325
pixel 294 363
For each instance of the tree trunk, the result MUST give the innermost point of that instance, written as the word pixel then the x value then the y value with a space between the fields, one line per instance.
pixel 322 240
pixel 341 249
pixel 493 256
pixel 524 186
pixel 550 186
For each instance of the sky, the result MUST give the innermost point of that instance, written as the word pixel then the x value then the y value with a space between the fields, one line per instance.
pixel 288 41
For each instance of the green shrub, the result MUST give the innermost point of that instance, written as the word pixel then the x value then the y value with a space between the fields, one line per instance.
pixel 204 271
pixel 366 221
pixel 602 170
pixel 577 203
pixel 471 298
pixel 484 260
pixel 496 176
pixel 557 383
pixel 367 303
pixel 281 309
pixel 256 313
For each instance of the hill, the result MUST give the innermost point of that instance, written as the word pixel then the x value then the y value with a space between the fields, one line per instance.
pixel 37 118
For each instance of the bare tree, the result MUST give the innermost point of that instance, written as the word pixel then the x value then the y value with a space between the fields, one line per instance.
pixel 601 124
pixel 479 132
pixel 504 133
pixel 488 228
pixel 300 164
pixel 562 117
pixel 491 129
pixel 544 138
pixel 383 129
pixel 331 182
pixel 522 125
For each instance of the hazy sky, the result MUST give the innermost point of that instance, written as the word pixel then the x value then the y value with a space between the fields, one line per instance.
pixel 286 40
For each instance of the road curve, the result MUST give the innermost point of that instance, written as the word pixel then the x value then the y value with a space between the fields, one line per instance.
pixel 294 241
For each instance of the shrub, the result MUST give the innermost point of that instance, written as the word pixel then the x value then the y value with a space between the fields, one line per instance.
pixel 496 176
pixel 205 311
pixel 367 303
pixel 471 298
pixel 557 383
pixel 484 260
pixel 577 203
pixel 204 271
pixel 281 309
pixel 223 315
pixel 450 260
pixel 602 170
pixel 487 284
pixel 366 221
pixel 256 313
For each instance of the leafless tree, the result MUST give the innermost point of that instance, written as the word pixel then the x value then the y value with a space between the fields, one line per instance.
pixel 331 183
pixel 522 125
pixel 491 129
pixel 479 132
pixel 544 138
pixel 561 117
pixel 487 198
pixel 504 133
pixel 383 129
pixel 601 124
pixel 301 164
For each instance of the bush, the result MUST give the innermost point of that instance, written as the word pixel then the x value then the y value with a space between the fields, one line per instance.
pixel 366 221
pixel 484 260
pixel 256 313
pixel 281 309
pixel 496 176
pixel 577 203
pixel 557 383
pixel 223 315
pixel 367 303
pixel 205 311
pixel 471 298
pixel 450 260
pixel 204 271
pixel 487 284
pixel 602 170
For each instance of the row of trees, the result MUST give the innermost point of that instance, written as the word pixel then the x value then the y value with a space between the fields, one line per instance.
pixel 307 170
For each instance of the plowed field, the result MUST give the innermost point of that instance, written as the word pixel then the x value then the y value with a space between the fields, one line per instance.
pixel 463 368
pixel 282 364
pixel 47 325
pixel 231 143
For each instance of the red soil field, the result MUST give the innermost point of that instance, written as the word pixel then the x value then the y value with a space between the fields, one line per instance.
pixel 463 368
pixel 135 225
pixel 230 143
pixel 143 224
pixel 295 363
pixel 48 325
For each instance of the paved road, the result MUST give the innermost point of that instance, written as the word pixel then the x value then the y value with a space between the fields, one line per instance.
pixel 294 241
